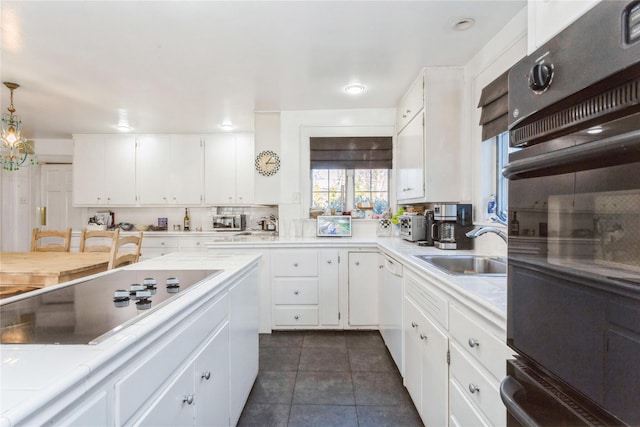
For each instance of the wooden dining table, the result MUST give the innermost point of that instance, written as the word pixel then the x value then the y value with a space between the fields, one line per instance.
pixel 24 271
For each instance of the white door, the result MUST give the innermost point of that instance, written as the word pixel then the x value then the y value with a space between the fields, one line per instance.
pixel 56 196
pixel 88 170
pixel 411 160
pixel 245 168
pixel 186 170
pixel 120 169
pixel 212 382
pixel 220 169
pixel 329 292
pixel 363 288
pixel 435 375
pixel 152 169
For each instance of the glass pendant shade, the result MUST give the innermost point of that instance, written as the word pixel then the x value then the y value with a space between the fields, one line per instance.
pixel 14 149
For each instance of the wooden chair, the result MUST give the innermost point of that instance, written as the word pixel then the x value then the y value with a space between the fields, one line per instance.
pixel 87 235
pixel 118 258
pixel 48 246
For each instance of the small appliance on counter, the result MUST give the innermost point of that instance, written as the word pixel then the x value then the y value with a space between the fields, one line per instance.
pixel 229 222
pixel 269 223
pixel 413 227
pixel 451 222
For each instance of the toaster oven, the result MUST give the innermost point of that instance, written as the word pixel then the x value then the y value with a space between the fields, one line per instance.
pixel 229 222
pixel 413 227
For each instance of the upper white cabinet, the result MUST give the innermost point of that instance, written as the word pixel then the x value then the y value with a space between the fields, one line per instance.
pixel 169 169
pixel 429 144
pixel 104 170
pixel 411 104
pixel 229 169
pixel 546 18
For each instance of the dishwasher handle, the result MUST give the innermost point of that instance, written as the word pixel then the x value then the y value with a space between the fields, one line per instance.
pixel 394 267
pixel 508 388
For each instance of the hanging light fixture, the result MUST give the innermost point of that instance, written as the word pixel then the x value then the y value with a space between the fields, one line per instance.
pixel 15 149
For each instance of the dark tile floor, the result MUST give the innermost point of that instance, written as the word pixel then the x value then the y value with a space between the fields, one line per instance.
pixel 326 378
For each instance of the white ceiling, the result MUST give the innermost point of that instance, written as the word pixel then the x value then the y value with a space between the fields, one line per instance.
pixel 185 67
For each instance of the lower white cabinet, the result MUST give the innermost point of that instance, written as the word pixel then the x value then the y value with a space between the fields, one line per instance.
pixel 200 394
pixel 363 289
pixel 425 365
pixel 155 246
pixel 390 308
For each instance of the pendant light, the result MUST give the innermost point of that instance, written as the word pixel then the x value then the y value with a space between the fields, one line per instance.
pixel 15 150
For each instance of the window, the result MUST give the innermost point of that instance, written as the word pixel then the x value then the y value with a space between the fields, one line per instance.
pixel 343 189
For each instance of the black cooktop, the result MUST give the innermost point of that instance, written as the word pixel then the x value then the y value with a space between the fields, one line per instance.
pixel 90 311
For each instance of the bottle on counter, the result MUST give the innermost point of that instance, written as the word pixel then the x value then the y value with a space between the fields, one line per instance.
pixel 514 226
pixel 187 222
pixel 491 207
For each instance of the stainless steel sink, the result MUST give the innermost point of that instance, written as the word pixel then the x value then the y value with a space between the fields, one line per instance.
pixel 468 265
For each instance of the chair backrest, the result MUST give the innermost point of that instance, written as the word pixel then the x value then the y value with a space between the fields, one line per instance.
pixel 87 235
pixel 61 243
pixel 130 254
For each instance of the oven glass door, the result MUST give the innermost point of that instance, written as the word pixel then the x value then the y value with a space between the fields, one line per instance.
pixel 574 266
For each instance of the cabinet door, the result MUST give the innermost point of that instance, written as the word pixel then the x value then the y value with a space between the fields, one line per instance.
pixel 91 412
pixel 185 169
pixel 219 169
pixel 172 408
pixel 410 164
pixel 413 320
pixel 212 382
pixel 329 284
pixel 435 375
pixel 120 169
pixel 88 170
pixel 245 168
pixel 152 169
pixel 363 288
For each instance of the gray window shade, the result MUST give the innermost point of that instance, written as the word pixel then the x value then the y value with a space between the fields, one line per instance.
pixel 358 152
pixel 493 101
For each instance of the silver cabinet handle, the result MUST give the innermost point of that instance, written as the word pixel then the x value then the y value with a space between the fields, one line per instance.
pixel 206 375
pixel 357 262
pixel 414 325
pixel 296 292
pixel 473 388
pixel 295 264
pixel 381 267
pixel 328 261
pixel 296 317
pixel 423 337
pixel 188 399
pixel 473 342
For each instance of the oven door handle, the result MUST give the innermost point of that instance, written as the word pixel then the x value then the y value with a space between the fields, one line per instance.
pixel 619 149
pixel 508 388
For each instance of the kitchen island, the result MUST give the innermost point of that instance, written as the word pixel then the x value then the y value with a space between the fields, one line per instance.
pixel 192 359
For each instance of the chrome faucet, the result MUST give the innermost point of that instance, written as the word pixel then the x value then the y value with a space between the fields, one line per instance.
pixel 479 231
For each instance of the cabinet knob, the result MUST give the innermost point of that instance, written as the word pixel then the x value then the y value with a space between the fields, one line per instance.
pixel 381 267
pixel 188 399
pixel 296 292
pixel 295 264
pixel 109 198
pixel 404 116
pixel 357 262
pixel 164 198
pixel 423 337
pixel 329 261
pixel 296 317
pixel 473 388
pixel 414 325
pixel 206 375
pixel 473 342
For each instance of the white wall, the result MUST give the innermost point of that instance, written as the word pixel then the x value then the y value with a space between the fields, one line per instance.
pixel 296 128
pixel 497 56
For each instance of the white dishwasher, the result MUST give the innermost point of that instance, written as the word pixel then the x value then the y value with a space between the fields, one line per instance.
pixel 391 309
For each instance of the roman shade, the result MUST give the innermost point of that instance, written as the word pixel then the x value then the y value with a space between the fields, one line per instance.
pixel 495 107
pixel 351 152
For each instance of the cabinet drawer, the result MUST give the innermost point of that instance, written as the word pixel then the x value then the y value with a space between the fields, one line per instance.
pixel 296 316
pixel 295 263
pixel 151 370
pixel 191 244
pixel 481 344
pixel 150 242
pixel 462 412
pixel 296 291
pixel 479 389
pixel 427 301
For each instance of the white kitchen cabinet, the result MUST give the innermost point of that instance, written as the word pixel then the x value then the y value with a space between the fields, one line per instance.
pixel 155 246
pixel 429 145
pixel 229 169
pixel 94 410
pixel 426 366
pixel 363 288
pixel 329 288
pixel 104 170
pixel 411 104
pixel 169 169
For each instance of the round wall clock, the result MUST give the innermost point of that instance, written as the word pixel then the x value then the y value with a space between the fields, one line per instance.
pixel 267 163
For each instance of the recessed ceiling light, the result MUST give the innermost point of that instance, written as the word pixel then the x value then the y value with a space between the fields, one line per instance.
pixel 464 24
pixel 354 89
pixel 595 130
pixel 226 126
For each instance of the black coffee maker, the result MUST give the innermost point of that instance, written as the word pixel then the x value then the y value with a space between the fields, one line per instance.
pixel 451 222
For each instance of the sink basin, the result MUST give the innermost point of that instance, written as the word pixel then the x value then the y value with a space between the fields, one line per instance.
pixel 468 265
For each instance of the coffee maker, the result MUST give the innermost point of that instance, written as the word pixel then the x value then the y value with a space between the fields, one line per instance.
pixel 451 222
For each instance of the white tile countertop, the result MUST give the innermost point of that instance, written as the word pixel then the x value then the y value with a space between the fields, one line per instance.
pixel 35 375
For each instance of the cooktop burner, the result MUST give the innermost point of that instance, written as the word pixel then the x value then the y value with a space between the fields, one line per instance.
pixel 90 311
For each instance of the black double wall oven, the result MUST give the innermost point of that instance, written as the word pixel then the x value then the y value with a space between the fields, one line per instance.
pixel 573 315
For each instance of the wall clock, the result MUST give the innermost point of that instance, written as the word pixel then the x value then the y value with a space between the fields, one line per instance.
pixel 267 163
